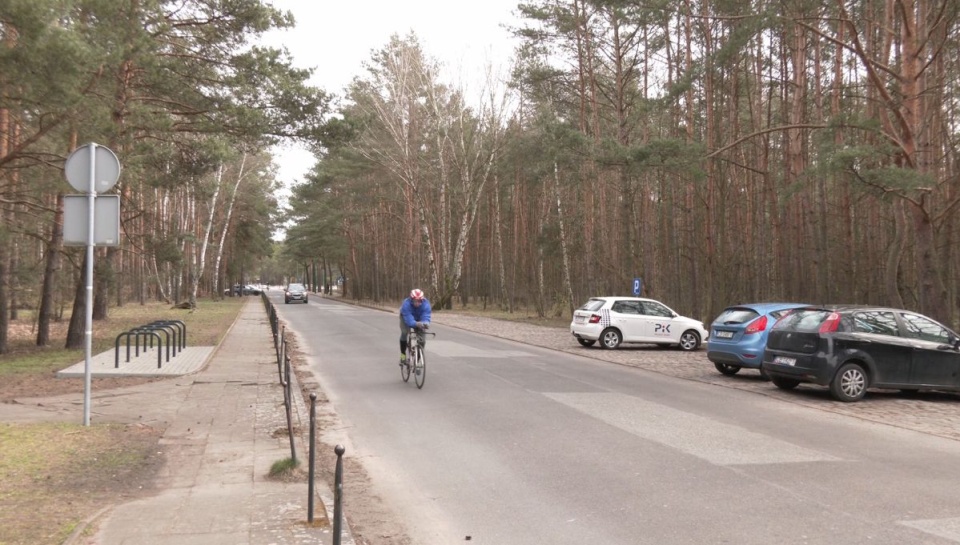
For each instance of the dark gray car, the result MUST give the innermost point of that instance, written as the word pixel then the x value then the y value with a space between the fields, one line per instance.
pixel 295 292
pixel 853 348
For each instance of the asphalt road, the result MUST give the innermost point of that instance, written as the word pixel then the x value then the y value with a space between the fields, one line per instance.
pixel 514 444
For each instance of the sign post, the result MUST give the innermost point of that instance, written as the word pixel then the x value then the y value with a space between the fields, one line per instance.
pixel 90 168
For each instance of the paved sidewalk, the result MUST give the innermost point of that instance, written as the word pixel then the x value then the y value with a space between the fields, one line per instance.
pixel 226 426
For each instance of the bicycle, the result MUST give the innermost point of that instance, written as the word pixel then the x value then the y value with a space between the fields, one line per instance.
pixel 416 362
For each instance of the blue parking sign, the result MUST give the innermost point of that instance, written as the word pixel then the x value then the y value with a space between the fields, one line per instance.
pixel 637 285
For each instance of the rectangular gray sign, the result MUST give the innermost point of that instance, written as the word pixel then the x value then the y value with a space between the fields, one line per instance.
pixel 106 220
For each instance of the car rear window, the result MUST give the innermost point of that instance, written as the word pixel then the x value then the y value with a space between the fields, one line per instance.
pixel 781 313
pixel 593 305
pixel 736 316
pixel 806 319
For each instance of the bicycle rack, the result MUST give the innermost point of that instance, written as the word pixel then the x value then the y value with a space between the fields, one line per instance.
pixel 175 332
pixel 137 333
pixel 180 328
pixel 172 332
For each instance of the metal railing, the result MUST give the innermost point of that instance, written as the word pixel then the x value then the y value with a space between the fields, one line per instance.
pixel 284 370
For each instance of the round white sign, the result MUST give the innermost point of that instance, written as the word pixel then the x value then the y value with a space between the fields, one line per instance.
pixel 106 168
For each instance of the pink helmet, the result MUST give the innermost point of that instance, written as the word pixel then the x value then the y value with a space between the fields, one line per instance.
pixel 416 295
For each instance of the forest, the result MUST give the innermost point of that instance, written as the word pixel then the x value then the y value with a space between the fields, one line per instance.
pixel 722 152
pixel 189 101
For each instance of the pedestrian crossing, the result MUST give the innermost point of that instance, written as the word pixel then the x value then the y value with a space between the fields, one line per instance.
pixel 450 349
pixel 715 442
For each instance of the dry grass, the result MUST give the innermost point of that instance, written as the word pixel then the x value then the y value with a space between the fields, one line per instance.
pixel 206 325
pixel 56 475
pixel 53 476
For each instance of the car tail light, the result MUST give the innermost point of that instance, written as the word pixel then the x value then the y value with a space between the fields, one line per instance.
pixel 594 318
pixel 756 326
pixel 831 324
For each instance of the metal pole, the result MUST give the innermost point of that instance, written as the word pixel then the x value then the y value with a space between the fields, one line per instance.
pixel 288 393
pixel 313 456
pixel 338 494
pixel 88 333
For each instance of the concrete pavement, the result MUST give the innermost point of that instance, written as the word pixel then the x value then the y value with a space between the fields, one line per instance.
pixel 225 427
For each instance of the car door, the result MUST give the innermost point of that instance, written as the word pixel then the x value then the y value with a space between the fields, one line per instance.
pixel 935 362
pixel 625 314
pixel 658 326
pixel 877 333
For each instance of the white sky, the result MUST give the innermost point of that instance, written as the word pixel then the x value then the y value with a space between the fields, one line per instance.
pixel 336 38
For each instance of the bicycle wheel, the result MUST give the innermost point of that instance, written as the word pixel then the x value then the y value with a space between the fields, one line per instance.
pixel 420 369
pixel 405 368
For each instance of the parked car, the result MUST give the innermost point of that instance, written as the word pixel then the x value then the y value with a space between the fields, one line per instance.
pixel 616 320
pixel 295 292
pixel 853 348
pixel 237 289
pixel 739 335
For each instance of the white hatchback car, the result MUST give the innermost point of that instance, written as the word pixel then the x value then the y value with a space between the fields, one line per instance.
pixel 616 320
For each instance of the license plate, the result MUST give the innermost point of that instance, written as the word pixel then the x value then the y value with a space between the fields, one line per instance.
pixel 724 334
pixel 579 319
pixel 783 360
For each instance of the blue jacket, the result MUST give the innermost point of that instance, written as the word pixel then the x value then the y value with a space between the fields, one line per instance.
pixel 411 314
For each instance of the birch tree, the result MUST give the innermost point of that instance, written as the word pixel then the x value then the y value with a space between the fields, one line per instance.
pixel 440 153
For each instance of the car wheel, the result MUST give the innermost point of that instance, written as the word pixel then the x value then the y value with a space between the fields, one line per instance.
pixel 585 342
pixel 763 374
pixel 849 384
pixel 785 383
pixel 610 338
pixel 689 341
pixel 727 369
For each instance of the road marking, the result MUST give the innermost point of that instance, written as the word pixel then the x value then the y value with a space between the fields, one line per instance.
pixel 945 528
pixel 705 438
pixel 450 349
pixel 339 309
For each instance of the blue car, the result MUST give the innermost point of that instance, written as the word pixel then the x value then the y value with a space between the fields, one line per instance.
pixel 739 335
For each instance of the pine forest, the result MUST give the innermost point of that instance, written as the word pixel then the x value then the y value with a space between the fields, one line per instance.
pixel 719 151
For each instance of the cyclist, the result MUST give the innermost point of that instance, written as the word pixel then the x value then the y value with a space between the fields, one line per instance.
pixel 414 312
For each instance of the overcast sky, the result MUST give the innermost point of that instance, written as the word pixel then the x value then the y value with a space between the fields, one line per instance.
pixel 336 38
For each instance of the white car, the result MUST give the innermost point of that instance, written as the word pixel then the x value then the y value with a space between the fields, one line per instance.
pixel 616 320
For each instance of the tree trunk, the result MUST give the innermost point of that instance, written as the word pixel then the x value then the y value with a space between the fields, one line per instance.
pixel 75 331
pixel 207 230
pixel 49 275
pixel 933 294
pixel 568 287
pixel 103 281
pixel 4 284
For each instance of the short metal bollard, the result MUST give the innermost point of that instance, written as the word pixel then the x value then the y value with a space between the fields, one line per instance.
pixel 288 400
pixel 338 494
pixel 281 355
pixel 312 465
